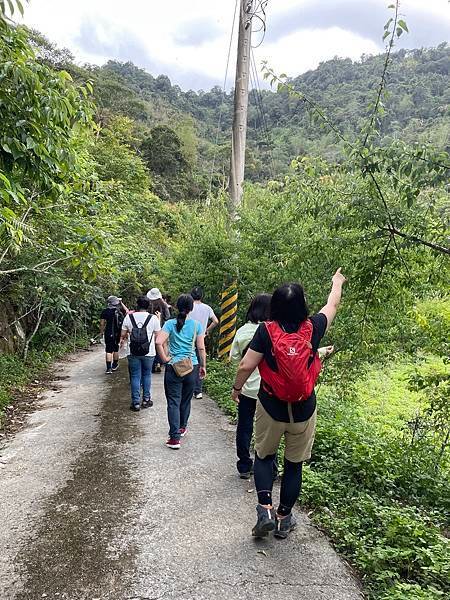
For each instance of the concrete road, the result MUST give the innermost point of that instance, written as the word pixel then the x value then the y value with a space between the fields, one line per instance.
pixel 94 506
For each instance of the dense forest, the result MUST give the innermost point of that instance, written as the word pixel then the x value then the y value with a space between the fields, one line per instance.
pixel 105 188
pixel 194 145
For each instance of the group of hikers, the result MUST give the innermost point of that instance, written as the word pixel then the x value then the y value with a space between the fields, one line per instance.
pixel 279 359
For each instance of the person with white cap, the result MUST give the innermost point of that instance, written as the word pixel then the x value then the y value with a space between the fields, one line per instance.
pixel 158 307
pixel 111 320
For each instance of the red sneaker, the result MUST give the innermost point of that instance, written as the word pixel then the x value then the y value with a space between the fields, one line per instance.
pixel 182 431
pixel 173 444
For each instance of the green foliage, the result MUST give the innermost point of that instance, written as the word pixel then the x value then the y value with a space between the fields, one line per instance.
pixel 431 324
pixel 39 109
pixel 162 151
pixel 219 383
pixel 415 110
pixel 77 218
pixel 40 114
pixel 7 10
pixel 379 497
pixel 378 478
pixel 204 251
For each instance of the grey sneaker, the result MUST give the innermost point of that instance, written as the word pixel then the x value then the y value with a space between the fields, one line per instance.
pixel 265 522
pixel 285 526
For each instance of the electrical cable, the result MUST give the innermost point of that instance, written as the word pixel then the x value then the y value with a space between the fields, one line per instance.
pixel 260 105
pixel 219 122
pixel 259 13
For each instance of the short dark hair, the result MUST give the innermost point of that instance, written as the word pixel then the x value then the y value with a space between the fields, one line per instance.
pixel 259 309
pixel 288 305
pixel 197 292
pixel 143 302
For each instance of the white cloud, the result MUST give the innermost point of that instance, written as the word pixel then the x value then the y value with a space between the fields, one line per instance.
pixel 152 32
pixel 304 50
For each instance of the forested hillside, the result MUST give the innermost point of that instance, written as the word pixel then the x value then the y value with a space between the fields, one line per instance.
pixel 104 173
pixel 280 128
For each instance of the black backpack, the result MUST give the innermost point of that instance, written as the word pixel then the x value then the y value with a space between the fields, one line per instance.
pixel 117 323
pixel 139 342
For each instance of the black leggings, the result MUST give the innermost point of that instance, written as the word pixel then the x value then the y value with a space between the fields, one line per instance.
pixel 291 482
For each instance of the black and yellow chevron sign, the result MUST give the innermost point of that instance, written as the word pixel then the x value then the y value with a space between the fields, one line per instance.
pixel 227 329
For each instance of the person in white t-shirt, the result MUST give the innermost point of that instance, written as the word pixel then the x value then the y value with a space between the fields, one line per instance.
pixel 140 355
pixel 204 314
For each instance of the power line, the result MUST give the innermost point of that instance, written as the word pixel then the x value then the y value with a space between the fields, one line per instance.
pixel 260 107
pixel 259 13
pixel 263 112
pixel 219 122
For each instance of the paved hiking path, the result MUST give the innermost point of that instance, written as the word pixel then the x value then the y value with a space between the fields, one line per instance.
pixel 94 506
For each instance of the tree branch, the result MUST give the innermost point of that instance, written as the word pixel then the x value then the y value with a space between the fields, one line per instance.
pixel 23 316
pixel 383 75
pixel 418 240
pixel 42 267
pixel 38 323
pixel 376 280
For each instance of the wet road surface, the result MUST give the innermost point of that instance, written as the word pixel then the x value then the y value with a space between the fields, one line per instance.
pixel 94 506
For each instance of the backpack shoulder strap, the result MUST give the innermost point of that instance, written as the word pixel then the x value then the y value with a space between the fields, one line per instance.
pixel 133 320
pixel 307 331
pixel 147 321
pixel 274 331
pixel 306 328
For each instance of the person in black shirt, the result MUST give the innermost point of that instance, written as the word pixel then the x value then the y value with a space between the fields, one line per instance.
pixel 277 418
pixel 111 320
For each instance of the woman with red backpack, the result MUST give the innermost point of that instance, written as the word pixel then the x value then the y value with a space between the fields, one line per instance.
pixel 285 349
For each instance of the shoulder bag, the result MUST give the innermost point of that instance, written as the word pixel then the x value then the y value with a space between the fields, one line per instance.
pixel 184 366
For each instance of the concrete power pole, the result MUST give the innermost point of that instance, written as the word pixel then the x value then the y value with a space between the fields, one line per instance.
pixel 240 104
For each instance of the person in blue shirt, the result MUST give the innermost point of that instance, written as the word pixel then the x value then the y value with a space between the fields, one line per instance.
pixel 177 341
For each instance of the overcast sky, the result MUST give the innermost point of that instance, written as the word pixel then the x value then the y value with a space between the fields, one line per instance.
pixel 188 39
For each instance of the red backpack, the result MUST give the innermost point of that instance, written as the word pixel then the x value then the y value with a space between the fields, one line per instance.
pixel 295 379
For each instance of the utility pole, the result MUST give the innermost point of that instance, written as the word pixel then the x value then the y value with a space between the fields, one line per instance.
pixel 229 298
pixel 240 105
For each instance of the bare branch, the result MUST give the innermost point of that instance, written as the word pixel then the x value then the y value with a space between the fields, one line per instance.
pixel 418 240
pixel 383 75
pixel 42 267
pixel 23 316
pixel 38 323
pixel 373 286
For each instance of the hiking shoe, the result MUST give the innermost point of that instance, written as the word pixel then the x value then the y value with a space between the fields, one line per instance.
pixel 108 372
pixel 284 526
pixel 158 369
pixel 246 475
pixel 115 366
pixel 147 403
pixel 173 444
pixel 182 431
pixel 198 396
pixel 265 522
pixel 135 407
